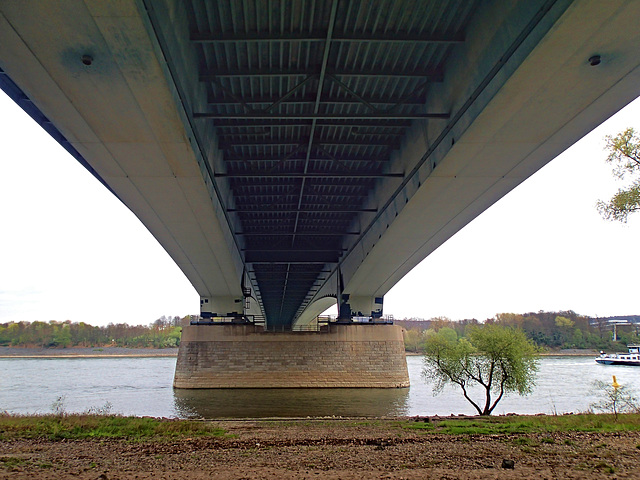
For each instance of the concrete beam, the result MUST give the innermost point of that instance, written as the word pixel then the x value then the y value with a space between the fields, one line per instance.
pixel 125 116
pixel 538 103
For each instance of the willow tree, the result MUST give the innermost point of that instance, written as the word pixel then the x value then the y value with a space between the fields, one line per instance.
pixel 499 360
pixel 624 156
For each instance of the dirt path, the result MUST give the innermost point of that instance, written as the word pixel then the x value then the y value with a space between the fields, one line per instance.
pixel 341 449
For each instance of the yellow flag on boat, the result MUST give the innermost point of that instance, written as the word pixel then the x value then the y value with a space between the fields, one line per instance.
pixel 615 382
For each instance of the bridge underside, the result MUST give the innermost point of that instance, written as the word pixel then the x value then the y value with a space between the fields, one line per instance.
pixel 292 154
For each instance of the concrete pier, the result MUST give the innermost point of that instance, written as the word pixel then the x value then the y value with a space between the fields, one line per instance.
pixel 239 356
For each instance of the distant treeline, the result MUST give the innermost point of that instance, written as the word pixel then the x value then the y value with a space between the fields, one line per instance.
pixel 162 333
pixel 551 330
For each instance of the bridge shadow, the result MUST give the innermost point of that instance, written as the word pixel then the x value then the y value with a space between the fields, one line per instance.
pixel 304 402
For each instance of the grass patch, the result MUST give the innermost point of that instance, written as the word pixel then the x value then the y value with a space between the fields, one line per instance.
pixel 367 423
pixel 529 424
pixel 474 426
pixel 11 462
pixel 604 466
pixel 418 426
pixel 57 427
pixel 526 441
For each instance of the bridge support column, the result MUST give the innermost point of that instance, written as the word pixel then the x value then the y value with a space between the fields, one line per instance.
pixel 365 306
pixel 221 306
pixel 241 356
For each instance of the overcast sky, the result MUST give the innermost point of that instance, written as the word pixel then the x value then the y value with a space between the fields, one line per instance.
pixel 70 250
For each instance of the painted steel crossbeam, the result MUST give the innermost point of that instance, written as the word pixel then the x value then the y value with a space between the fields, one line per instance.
pixel 418 99
pixel 308 175
pixel 282 182
pixel 298 234
pixel 286 122
pixel 319 141
pixel 396 37
pixel 293 250
pixel 264 158
pixel 269 274
pixel 301 210
pixel 434 75
pixel 292 262
pixel 255 196
pixel 320 116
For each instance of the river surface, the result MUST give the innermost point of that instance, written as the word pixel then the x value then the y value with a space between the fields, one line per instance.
pixel 143 386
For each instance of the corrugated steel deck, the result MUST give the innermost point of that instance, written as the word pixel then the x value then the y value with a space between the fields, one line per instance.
pixel 309 99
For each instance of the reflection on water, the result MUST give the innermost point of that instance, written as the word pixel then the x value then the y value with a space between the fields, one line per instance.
pixel 283 402
pixel 564 384
pixel 142 386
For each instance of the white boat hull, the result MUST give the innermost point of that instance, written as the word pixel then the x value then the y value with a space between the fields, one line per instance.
pixel 617 361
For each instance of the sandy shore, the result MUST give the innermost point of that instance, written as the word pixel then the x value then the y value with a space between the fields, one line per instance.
pixel 339 449
pixel 86 352
pixel 572 351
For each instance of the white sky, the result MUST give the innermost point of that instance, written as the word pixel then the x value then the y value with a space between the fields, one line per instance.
pixel 70 250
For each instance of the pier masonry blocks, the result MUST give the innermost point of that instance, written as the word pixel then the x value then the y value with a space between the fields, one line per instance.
pixel 238 356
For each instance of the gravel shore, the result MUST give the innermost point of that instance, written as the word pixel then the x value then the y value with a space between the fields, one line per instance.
pixel 327 449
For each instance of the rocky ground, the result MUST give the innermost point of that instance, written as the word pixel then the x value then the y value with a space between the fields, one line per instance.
pixel 320 449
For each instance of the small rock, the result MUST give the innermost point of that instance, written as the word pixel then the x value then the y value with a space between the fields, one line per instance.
pixel 507 463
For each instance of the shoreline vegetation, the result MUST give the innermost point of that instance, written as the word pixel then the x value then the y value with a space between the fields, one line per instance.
pixel 75 426
pixel 162 333
pixel 585 446
pixel 86 352
pixel 551 332
pixel 554 333
pixel 125 352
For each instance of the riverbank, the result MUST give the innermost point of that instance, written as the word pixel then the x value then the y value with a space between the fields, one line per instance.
pixel 97 352
pixel 85 352
pixel 349 449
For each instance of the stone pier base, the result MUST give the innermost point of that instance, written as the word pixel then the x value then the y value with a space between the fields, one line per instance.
pixel 238 356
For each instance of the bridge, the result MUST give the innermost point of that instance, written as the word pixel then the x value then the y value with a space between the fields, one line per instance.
pixel 612 323
pixel 294 155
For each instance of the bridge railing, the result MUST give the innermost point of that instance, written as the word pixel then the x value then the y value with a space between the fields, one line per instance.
pixel 321 324
pixel 257 320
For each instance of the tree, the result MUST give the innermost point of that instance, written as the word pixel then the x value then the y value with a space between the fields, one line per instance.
pixel 498 359
pixel 615 398
pixel 624 155
pixel 412 340
pixel 564 322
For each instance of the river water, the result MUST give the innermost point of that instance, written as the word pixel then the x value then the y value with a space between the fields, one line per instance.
pixel 143 386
